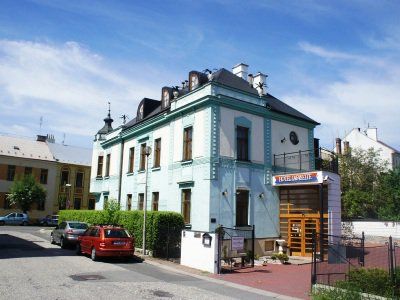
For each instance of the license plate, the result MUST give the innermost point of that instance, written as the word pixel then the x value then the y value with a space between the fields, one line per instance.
pixel 119 243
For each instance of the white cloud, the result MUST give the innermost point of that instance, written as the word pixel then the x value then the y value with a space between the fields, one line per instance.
pixel 66 84
pixel 361 93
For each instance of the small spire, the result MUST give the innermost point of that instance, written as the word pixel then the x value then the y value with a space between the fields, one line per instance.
pixel 107 122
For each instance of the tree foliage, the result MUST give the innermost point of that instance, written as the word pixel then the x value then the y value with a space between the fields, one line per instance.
pixel 25 192
pixel 388 195
pixel 369 189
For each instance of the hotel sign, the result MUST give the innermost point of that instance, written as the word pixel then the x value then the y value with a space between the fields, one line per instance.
pixel 297 178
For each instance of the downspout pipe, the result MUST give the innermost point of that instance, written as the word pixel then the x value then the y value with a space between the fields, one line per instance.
pixel 121 164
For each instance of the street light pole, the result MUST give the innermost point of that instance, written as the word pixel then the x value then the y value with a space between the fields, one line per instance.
pixel 147 152
pixel 67 190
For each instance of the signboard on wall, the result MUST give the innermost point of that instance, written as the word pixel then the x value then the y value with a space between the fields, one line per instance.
pixel 237 243
pixel 297 178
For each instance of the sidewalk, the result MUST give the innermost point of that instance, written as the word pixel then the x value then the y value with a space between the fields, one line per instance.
pixel 277 281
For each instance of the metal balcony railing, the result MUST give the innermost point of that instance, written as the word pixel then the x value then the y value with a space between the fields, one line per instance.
pixel 307 160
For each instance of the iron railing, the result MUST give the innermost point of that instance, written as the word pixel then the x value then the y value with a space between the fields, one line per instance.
pixel 306 160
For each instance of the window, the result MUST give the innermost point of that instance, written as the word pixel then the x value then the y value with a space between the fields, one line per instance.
pixel 43 176
pixel 41 205
pixel 157 153
pixel 79 179
pixel 92 203
pixel 140 201
pixel 242 208
pixel 10 173
pixel 154 203
pixel 187 143
pixel 142 157
pixel 242 135
pixel 100 166
pixel 28 171
pixel 128 201
pixel 131 160
pixel 186 194
pixel 108 159
pixel 6 202
pixel 77 203
pixel 64 177
pixel 105 203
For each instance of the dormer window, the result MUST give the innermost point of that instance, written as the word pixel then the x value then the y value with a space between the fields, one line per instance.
pixel 194 81
pixel 165 98
pixel 141 112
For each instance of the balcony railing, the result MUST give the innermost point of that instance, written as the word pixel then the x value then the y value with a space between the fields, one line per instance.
pixel 308 160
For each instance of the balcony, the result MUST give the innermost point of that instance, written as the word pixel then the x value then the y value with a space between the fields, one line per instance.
pixel 303 161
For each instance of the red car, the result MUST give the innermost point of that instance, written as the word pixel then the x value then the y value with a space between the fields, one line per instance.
pixel 106 241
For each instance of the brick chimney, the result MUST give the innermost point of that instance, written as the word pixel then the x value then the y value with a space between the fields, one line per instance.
pixel 346 147
pixel 338 146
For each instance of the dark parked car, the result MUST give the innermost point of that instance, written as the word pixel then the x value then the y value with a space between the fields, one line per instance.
pixel 67 233
pixel 106 240
pixel 49 220
pixel 15 219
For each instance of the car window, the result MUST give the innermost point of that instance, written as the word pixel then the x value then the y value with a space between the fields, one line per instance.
pixel 115 233
pixel 20 215
pixel 78 225
pixel 12 215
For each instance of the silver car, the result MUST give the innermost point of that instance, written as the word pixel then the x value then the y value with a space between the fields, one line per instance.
pixel 14 219
pixel 67 233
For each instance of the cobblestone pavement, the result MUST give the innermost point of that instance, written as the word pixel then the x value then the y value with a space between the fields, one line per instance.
pixel 32 268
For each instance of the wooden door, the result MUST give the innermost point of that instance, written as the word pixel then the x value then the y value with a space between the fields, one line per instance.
pixel 300 235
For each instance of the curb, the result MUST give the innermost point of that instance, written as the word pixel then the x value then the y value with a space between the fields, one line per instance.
pixel 222 282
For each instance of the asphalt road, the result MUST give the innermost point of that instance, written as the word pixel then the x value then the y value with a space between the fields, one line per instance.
pixel 32 268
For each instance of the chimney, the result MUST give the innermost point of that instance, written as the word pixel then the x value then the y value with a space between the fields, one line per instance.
pixel 259 82
pixel 372 133
pixel 338 146
pixel 346 147
pixel 41 138
pixel 50 138
pixel 240 70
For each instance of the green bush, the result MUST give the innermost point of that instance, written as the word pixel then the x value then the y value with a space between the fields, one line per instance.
pixel 336 294
pixel 280 256
pixel 163 229
pixel 372 281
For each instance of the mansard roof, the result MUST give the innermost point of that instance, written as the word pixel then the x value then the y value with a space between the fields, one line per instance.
pixel 226 78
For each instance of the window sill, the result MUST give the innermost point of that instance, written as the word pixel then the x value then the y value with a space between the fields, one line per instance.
pixel 106 177
pixel 245 162
pixel 243 227
pixel 99 178
pixel 186 162
pixel 156 169
pixel 188 226
pixel 141 171
pixel 129 174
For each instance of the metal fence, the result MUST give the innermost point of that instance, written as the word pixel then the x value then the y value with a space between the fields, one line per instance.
pixel 341 254
pixel 170 246
pixel 235 248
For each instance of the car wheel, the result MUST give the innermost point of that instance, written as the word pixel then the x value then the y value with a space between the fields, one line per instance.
pixel 45 224
pixel 93 255
pixel 24 223
pixel 78 249
pixel 52 239
pixel 63 243
pixel 2 223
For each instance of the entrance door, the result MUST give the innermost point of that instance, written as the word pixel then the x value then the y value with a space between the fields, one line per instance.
pixel 300 235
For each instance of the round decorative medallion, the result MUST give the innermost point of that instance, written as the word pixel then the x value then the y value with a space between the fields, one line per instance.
pixel 294 138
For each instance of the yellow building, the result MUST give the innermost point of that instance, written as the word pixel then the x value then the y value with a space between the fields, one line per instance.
pixel 64 171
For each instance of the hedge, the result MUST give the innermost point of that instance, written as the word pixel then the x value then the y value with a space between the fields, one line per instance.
pixel 163 228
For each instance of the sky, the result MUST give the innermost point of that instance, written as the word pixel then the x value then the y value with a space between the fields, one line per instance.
pixel 61 61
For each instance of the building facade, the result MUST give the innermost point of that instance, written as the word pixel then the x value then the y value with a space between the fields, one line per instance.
pixel 366 139
pixel 210 150
pixel 64 172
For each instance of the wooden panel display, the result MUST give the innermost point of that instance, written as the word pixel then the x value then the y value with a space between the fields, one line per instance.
pixel 3 172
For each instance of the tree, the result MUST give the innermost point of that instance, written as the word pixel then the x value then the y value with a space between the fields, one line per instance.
pixel 112 207
pixel 388 195
pixel 25 192
pixel 360 170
